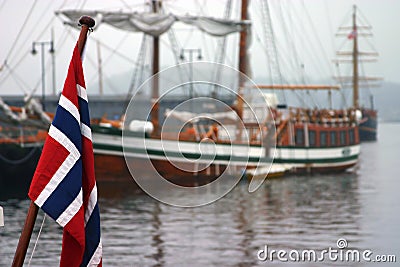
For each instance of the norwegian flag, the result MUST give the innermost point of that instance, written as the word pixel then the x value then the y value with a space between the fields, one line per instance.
pixel 64 185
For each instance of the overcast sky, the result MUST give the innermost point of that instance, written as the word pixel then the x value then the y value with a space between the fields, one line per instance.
pixel 311 26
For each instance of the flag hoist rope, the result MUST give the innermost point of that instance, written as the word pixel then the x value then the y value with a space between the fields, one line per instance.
pixel 37 239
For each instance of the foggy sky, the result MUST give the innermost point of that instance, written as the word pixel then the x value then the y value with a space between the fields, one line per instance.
pixel 383 15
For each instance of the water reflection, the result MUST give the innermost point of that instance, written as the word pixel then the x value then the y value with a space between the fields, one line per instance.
pixel 292 213
pixel 288 213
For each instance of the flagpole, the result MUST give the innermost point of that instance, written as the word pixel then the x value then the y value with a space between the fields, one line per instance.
pixel 87 23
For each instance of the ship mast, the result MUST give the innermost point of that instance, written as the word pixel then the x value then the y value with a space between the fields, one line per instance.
pixel 242 58
pixel 156 5
pixel 355 60
pixel 357 56
pixel 242 67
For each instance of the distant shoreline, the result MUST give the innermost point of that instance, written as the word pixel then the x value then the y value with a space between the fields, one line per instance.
pixel 390 121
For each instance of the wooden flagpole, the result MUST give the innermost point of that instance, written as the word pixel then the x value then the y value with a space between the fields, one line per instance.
pixel 19 257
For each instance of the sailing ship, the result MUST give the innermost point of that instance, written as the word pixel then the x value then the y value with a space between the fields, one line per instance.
pixel 369 123
pixel 315 140
pixel 296 139
pixel 309 138
pixel 306 140
pixel 150 146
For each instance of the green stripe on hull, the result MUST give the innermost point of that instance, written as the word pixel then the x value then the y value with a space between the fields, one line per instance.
pixel 193 156
pixel 312 148
pixel 118 132
pixel 309 161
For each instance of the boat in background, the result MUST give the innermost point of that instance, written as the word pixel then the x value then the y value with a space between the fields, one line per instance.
pixel 20 149
pixel 22 134
pixel 314 140
pixel 310 137
pixel 318 141
pixel 368 127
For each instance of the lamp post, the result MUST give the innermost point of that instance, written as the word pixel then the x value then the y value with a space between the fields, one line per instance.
pixel 191 52
pixel 51 51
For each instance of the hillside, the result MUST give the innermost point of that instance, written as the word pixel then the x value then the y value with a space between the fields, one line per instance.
pixel 387 100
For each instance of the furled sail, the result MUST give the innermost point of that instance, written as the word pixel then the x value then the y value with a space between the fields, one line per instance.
pixel 155 24
pixel 8 112
pixel 195 117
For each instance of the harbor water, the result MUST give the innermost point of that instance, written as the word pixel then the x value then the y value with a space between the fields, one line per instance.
pixel 360 208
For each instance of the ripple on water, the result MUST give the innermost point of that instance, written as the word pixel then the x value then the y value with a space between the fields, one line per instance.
pixel 309 212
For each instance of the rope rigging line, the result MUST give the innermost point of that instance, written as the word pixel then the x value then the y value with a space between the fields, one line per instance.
pixel 63 4
pixel 330 26
pixel 35 25
pixel 297 57
pixel 366 85
pixel 175 47
pixel 364 22
pixel 138 70
pixel 207 53
pixel 37 240
pixel 270 45
pixel 39 81
pixel 290 42
pixel 321 46
pixel 309 50
pixel 340 47
pixel 21 48
pixel 18 80
pixel 346 18
pixel 125 4
pixel 6 64
pixel 189 37
pixel 114 50
pixel 93 64
pixel 202 7
pixel 174 44
pixel 362 17
pixel 270 39
pixel 221 49
pixel 21 29
pixel 344 101
pixel 297 63
pixel 265 45
pixel 293 59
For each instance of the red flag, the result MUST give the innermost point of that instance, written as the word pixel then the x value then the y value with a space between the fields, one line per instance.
pixel 352 35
